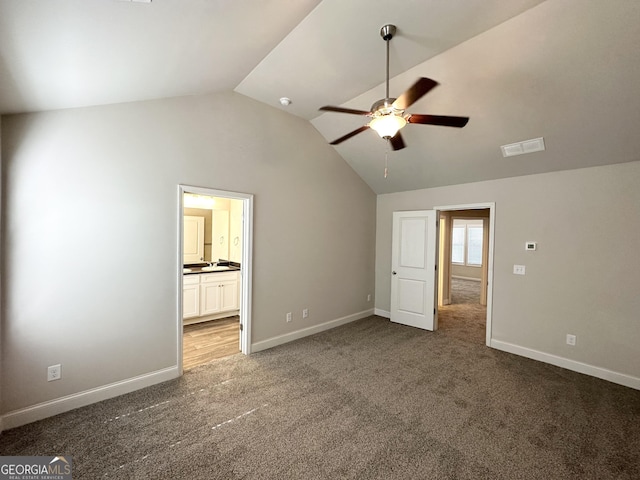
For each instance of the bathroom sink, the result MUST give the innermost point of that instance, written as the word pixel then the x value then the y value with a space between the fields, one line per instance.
pixel 186 270
pixel 214 269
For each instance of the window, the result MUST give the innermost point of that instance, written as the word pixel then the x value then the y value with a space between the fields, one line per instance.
pixel 466 245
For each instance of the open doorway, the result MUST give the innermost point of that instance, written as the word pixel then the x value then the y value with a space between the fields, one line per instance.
pixel 214 264
pixel 465 268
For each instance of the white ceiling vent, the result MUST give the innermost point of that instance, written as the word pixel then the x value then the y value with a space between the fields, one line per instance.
pixel 520 148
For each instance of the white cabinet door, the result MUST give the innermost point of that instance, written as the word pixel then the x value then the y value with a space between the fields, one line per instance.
pixel 191 297
pixel 229 295
pixel 218 292
pixel 208 294
pixel 220 235
pixel 209 298
pixel 193 244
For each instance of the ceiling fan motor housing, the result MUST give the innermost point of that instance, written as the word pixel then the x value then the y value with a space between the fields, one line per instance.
pixel 385 106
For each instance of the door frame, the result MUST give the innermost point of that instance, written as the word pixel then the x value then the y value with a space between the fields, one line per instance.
pixel 491 206
pixel 245 269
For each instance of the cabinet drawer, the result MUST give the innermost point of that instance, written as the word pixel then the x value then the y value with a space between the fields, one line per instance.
pixel 190 279
pixel 218 277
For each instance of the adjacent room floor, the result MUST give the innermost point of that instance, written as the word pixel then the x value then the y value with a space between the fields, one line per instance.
pixel 465 318
pixel 207 341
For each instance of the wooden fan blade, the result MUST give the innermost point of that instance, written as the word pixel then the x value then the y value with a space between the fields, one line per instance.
pixel 442 120
pixel 397 143
pixel 417 90
pixel 329 108
pixel 349 135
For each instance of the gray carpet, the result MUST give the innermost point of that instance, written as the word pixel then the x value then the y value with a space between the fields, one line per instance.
pixel 465 291
pixel 369 400
pixel 465 318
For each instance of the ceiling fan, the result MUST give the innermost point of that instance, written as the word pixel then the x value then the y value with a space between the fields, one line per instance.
pixel 388 115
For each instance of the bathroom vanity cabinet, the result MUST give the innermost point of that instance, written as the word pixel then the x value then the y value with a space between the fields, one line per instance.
pixel 209 296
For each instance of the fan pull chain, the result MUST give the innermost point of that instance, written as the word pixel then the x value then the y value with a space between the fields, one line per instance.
pixel 386 161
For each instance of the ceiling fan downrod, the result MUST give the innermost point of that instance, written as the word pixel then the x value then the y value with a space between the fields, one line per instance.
pixel 386 119
pixel 387 32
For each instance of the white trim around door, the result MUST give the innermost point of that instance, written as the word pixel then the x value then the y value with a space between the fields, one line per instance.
pixel 245 269
pixel 492 222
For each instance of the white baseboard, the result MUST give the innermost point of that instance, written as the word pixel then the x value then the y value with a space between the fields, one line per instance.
pixel 42 410
pixel 382 313
pixel 466 278
pixel 598 372
pixel 208 318
pixel 305 332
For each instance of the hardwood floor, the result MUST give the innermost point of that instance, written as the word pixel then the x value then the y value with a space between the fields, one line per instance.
pixel 203 342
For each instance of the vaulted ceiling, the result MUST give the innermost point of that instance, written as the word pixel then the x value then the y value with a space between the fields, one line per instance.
pixel 565 70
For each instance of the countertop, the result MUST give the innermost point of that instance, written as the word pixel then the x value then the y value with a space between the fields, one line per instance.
pixel 197 268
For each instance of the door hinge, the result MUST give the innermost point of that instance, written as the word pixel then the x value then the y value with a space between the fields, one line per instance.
pixel 240 327
pixel 434 311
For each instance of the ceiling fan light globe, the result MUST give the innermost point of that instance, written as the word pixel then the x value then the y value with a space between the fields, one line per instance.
pixel 387 125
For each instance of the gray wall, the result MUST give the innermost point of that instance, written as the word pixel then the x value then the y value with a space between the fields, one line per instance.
pixel 465 271
pixel 585 275
pixel 91 232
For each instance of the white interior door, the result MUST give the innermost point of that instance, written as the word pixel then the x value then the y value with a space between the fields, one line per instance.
pixel 413 269
pixel 193 243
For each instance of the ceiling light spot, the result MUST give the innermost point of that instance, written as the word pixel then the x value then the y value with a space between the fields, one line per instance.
pixel 285 101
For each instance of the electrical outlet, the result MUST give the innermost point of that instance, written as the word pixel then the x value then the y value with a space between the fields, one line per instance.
pixel 518 269
pixel 54 372
pixel 305 313
pixel 289 317
pixel 571 340
pixel 369 298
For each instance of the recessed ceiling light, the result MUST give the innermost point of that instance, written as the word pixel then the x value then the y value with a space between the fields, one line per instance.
pixel 285 101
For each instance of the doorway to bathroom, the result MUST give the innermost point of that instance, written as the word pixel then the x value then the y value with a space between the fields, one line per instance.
pixel 214 259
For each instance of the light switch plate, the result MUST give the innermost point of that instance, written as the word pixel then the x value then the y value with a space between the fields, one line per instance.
pixel 518 269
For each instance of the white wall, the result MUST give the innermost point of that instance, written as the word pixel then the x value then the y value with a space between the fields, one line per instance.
pixel 583 279
pixel 90 279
